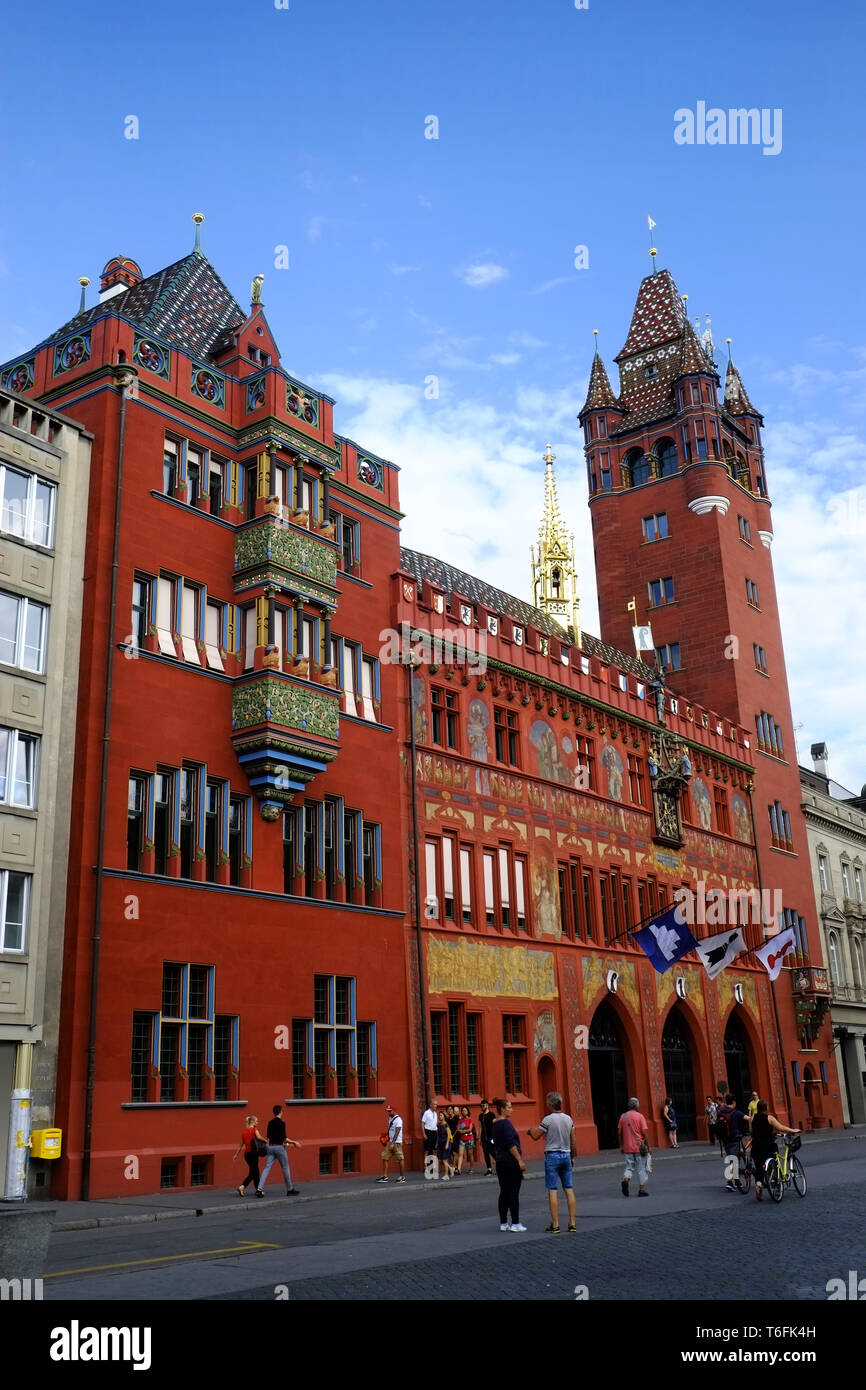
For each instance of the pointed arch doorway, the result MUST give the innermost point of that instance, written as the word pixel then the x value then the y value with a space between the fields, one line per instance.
pixel 679 1074
pixel 737 1061
pixel 607 1074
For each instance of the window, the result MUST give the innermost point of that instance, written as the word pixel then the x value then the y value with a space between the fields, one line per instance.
pixel 769 734
pixel 466 884
pixel 506 734
pixel 216 477
pixel 310 847
pixel 193 477
pixel 585 750
pixel 330 816
pixel 140 610
pixel 184 1037
pixel 444 710
pixel 655 528
pixel 835 958
pixel 846 880
pixel 660 591
pixel 169 467
pixel 606 920
pixel 23 633
pixel 334 1043
pixel 165 615
pixel 588 907
pixel 760 658
pixel 514 1046
pixel 789 918
pixel 752 593
pixel 638 467
pixel 213 625
pixel 666 452
pixel 780 827
pixel 723 819
pixel 350 666
pixel 448 877
pixel 824 874
pixel 212 826
pixel 188 802
pixel 504 889
pixel 520 891
pixel 744 529
pixel 19 760
pixel 857 957
pixel 455 1038
pixel 668 656
pixel 14 910
pixel 488 864
pixel 636 788
pixel 606 480
pixel 237 828
pixel 190 599
pixel 369 687
pixel 348 538
pixel 26 506
pixel 651 372
pixel 858 884
pixel 163 810
pixel 370 862
pixel 137 806
pixel 351 841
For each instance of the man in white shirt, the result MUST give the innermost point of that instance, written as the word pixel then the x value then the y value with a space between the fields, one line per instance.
pixel 393 1146
pixel 429 1122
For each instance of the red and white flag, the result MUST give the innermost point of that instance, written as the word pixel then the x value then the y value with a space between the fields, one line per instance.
pixel 773 953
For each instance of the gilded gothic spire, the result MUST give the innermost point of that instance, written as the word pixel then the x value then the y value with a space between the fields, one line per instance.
pixel 554 577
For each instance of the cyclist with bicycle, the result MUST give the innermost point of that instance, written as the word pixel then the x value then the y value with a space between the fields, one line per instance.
pixel 732 1128
pixel 765 1127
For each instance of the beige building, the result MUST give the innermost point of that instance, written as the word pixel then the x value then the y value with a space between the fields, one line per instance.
pixel 836 825
pixel 44 480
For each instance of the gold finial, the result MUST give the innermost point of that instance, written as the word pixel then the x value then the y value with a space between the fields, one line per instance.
pixel 548 456
pixel 83 282
pixel 198 218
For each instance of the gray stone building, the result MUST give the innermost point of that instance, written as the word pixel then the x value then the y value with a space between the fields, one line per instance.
pixel 836 826
pixel 44 481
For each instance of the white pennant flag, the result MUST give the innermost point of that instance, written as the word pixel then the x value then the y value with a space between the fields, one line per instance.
pixel 650 223
pixel 772 954
pixel 717 952
pixel 643 639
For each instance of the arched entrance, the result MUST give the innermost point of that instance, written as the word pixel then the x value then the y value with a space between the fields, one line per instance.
pixel 546 1078
pixel 679 1078
pixel 607 1075
pixel 737 1061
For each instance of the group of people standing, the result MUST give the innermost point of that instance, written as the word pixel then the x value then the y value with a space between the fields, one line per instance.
pixel 452 1138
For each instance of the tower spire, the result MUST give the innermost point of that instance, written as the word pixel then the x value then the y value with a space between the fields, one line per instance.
pixel 554 577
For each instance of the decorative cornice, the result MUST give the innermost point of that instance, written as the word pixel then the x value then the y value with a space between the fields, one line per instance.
pixel 766 538
pixel 701 505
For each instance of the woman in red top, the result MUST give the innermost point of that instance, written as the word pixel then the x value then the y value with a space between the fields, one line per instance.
pixel 247 1146
pixel 466 1137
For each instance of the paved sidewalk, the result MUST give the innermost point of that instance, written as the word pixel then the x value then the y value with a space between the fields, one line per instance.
pixel 173 1206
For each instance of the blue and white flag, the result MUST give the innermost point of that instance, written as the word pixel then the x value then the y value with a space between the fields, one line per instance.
pixel 665 940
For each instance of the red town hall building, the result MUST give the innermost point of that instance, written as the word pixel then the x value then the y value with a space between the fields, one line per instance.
pixel 302 872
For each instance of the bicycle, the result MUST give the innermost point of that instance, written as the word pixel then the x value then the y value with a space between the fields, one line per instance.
pixel 785 1169
pixel 741 1169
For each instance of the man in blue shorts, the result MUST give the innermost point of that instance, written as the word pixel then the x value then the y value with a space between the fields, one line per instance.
pixel 557 1130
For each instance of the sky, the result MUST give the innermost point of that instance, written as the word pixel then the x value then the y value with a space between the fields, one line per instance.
pixel 432 285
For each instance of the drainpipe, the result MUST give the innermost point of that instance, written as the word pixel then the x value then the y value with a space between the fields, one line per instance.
pixel 749 789
pixel 124 375
pixel 422 993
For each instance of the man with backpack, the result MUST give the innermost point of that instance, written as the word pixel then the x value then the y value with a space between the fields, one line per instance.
pixel 731 1126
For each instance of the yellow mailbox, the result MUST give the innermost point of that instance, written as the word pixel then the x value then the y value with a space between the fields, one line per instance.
pixel 45 1143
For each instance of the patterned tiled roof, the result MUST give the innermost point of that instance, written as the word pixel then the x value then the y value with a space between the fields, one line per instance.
pixel 736 398
pixel 186 305
pixel 693 359
pixel 426 568
pixel 646 403
pixel 658 315
pixel 599 395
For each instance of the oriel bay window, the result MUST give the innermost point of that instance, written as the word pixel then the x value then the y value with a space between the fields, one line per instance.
pixel 333 1050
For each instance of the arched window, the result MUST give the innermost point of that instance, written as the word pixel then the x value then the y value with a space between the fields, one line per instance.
pixel 637 468
pixel 835 959
pixel 858 963
pixel 556 582
pixel 730 463
pixel 666 453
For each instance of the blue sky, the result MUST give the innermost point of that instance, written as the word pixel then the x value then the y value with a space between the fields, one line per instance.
pixel 454 257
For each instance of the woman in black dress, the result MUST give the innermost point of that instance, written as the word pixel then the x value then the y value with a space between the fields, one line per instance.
pixel 509 1167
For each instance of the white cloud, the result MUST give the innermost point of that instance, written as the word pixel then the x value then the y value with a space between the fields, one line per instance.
pixel 314 228
pixel 526 340
pixel 482 274
pixel 405 269
pixel 549 285
pixel 505 359
pixel 424 203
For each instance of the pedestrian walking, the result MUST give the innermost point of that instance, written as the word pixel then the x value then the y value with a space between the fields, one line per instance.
pixel 466 1136
pixel 557 1130
pixel 443 1146
pixel 278 1142
pixel 485 1126
pixel 752 1107
pixel 669 1115
pixel 765 1127
pixel 452 1115
pixel 249 1148
pixel 393 1146
pixel 634 1145
pixel 711 1110
pixel 510 1167
pixel 429 1122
